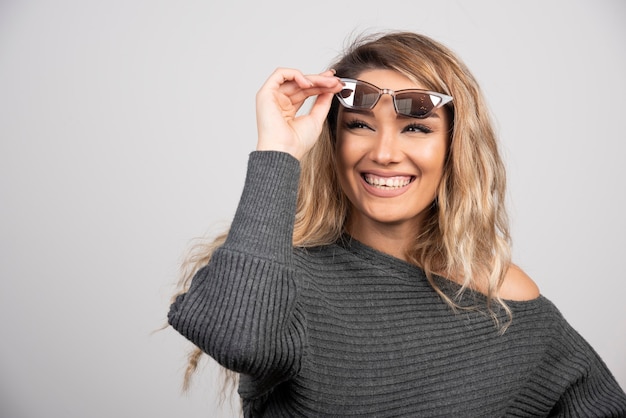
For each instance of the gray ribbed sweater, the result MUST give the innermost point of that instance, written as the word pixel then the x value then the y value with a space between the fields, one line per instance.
pixel 345 330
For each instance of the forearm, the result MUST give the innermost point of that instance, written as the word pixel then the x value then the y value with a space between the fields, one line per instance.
pixel 242 308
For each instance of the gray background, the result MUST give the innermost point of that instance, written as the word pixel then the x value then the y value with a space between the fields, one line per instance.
pixel 124 132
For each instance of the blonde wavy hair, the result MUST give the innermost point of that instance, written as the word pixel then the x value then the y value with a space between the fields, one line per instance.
pixel 465 234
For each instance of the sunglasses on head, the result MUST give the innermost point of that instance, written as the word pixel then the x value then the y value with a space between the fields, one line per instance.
pixel 415 103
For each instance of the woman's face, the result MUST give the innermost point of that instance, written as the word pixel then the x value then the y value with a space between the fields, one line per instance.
pixel 389 165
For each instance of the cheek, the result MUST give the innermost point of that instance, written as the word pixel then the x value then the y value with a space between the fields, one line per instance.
pixel 346 153
pixel 430 158
pixel 346 158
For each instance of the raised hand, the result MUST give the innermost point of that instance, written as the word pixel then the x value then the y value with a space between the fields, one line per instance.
pixel 278 101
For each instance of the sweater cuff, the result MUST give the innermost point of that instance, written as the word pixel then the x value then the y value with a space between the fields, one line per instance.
pixel 263 222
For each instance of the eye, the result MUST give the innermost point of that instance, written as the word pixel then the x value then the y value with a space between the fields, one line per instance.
pixel 357 124
pixel 417 128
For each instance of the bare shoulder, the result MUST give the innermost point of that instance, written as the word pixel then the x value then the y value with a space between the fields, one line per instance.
pixel 518 285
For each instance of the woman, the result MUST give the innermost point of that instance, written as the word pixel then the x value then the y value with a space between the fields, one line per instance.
pixel 367 270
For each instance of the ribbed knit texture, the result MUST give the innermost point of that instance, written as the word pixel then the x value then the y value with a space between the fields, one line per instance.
pixel 345 330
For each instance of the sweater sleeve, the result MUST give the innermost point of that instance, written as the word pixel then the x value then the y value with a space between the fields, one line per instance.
pixel 242 308
pixel 591 389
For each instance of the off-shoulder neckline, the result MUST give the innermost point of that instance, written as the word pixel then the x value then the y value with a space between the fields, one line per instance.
pixel 378 258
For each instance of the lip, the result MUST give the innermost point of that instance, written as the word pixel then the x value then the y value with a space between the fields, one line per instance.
pixel 386 192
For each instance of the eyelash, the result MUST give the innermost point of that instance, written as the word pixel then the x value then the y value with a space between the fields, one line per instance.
pixel 419 127
pixel 356 124
pixel 413 127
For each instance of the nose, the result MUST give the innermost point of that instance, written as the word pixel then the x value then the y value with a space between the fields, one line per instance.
pixel 386 147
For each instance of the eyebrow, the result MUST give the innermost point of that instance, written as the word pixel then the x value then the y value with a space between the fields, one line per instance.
pixel 434 115
pixel 358 111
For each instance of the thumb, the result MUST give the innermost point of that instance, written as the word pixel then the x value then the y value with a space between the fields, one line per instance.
pixel 320 108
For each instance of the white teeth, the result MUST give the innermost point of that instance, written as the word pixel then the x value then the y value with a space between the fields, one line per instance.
pixel 387 182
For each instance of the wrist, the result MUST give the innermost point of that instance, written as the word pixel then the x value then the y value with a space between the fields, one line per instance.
pixel 279 147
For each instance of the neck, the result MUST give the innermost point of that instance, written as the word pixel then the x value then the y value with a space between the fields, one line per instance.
pixel 392 239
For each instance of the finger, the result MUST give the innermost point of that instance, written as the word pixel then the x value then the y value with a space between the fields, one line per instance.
pixel 315 84
pixel 326 77
pixel 301 95
pixel 320 108
pixel 294 86
pixel 321 86
pixel 285 75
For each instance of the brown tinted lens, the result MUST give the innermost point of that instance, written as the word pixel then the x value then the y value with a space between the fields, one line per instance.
pixel 365 96
pixel 416 104
pixel 359 95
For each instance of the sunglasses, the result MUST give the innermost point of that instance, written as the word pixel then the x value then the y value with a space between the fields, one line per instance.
pixel 415 103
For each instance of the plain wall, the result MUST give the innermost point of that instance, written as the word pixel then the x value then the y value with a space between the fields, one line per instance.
pixel 125 127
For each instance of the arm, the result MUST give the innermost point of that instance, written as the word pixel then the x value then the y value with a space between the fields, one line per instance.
pixel 241 307
pixel 592 390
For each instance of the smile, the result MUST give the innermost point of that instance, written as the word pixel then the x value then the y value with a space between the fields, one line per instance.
pixel 388 183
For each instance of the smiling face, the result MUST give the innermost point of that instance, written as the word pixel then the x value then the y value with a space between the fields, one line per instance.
pixel 389 165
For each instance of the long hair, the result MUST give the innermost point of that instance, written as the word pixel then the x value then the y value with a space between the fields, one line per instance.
pixel 465 234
